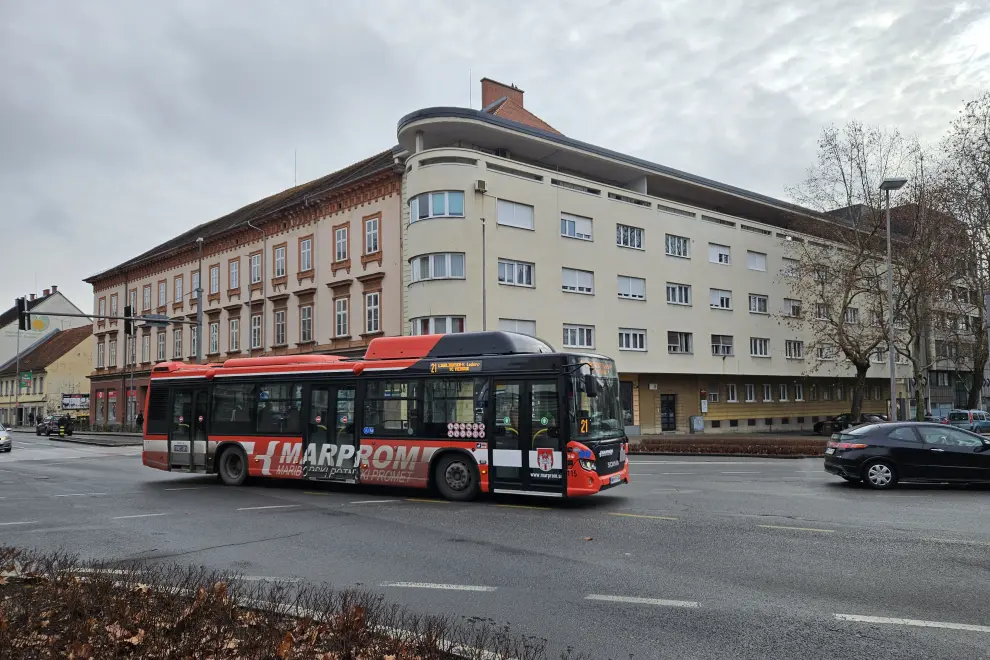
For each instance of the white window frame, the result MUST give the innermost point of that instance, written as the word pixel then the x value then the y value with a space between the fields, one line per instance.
pixel 782 392
pixel 305 255
pixel 177 289
pixel 101 308
pixel 794 349
pixel 759 347
pixel 720 299
pixel 719 254
pixel 162 294
pixel 279 265
pixel 750 393
pixel 340 244
pixel 215 279
pixel 255 263
pixel 417 201
pixel 193 342
pixel 280 327
pixel 579 336
pixel 177 343
pixel 754 259
pixel 628 236
pixel 798 392
pixel 509 271
pixel 731 393
pixel 101 353
pixel 630 292
pixel 255 331
pixel 792 308
pixel 713 395
pixel 439 266
pixel 341 317
pixel 306 324
pixel 415 325
pixel 583 281
pixel 719 349
pixel 234 336
pixel 214 337
pixel 234 274
pixel 512 325
pixel 372 244
pixel 767 393
pixel 512 214
pixel 755 300
pixel 113 305
pixel 145 348
pixel 851 315
pixel 372 312
pixel 112 353
pixel 821 311
pixel 677 246
pixel 632 339
pixel 788 267
pixel 146 297
pixel 160 342
pixel 576 226
pixel 827 352
pixel 677 298
pixel 683 342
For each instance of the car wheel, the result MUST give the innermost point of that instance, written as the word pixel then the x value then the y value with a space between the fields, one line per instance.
pixel 37 432
pixel 880 475
pixel 233 467
pixel 457 478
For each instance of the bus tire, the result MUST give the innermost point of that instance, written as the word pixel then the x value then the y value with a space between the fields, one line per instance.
pixel 232 466
pixel 457 478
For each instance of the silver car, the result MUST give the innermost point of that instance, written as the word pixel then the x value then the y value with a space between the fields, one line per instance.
pixel 5 444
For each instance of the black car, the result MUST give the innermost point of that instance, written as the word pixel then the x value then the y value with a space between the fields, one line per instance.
pixel 880 455
pixel 50 425
pixel 844 421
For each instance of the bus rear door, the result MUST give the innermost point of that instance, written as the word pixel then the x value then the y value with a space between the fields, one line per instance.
pixel 526 455
pixel 330 451
pixel 187 434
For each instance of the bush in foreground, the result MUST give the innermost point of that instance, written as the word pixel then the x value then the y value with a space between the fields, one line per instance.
pixel 810 446
pixel 53 607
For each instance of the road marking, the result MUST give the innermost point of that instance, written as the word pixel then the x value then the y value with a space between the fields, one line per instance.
pixel 21 522
pixel 313 492
pixel 266 578
pixel 640 515
pixel 187 488
pixel 446 587
pixel 140 515
pixel 108 571
pixel 274 506
pixel 798 529
pixel 741 472
pixel 678 473
pixel 79 494
pixel 419 499
pixel 372 501
pixel 663 602
pixel 523 506
pixel 859 618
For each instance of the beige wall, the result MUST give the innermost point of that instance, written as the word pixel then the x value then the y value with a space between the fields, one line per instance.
pixel 67 375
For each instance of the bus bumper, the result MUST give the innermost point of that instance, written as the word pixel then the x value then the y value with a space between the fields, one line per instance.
pixel 588 483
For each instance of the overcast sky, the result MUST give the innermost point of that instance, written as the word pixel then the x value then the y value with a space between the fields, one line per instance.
pixel 125 123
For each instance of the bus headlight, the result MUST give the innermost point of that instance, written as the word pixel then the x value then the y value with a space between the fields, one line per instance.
pixel 587 464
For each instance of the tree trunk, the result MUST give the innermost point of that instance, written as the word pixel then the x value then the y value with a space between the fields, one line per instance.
pixel 980 357
pixel 919 393
pixel 859 389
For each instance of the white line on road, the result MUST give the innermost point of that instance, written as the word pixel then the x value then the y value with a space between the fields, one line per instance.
pixel 79 494
pixel 21 522
pixel 187 488
pixel 859 618
pixel 274 506
pixel 798 529
pixel 663 602
pixel 678 473
pixel 266 578
pixel 446 587
pixel 741 472
pixel 140 515
pixel 741 461
pixel 372 501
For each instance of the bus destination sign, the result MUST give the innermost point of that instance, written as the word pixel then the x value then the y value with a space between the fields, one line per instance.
pixel 444 367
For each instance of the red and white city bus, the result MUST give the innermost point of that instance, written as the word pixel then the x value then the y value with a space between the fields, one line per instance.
pixel 466 413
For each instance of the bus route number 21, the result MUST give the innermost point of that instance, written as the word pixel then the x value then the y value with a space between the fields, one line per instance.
pixel 584 426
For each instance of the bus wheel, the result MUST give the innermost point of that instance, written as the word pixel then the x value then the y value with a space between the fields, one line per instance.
pixel 233 467
pixel 457 478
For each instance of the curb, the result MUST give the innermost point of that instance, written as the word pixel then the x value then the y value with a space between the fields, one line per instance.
pixel 98 443
pixel 721 454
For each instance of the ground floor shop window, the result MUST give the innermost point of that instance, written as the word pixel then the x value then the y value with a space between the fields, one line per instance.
pixel 626 399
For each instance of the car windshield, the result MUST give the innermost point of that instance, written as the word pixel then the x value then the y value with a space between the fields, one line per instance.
pixel 958 417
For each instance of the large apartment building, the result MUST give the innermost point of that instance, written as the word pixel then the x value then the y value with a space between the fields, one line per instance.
pixel 488 219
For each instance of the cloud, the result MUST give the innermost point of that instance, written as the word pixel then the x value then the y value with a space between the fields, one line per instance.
pixel 123 124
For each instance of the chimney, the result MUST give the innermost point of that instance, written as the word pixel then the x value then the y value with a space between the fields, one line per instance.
pixel 54 289
pixel 46 293
pixel 32 296
pixel 492 91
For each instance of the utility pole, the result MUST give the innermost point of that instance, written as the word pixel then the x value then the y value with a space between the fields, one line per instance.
pixel 17 382
pixel 199 306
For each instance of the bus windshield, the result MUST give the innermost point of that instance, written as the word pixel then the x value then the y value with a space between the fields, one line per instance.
pixel 595 418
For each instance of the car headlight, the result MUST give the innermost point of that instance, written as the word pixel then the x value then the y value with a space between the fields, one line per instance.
pixel 587 464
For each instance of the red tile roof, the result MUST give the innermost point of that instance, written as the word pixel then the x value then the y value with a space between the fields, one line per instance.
pixel 509 109
pixel 51 349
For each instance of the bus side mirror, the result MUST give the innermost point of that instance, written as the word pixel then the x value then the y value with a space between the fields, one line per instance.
pixel 590 385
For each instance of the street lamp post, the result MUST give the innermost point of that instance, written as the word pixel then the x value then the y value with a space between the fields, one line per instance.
pixel 893 183
pixel 199 307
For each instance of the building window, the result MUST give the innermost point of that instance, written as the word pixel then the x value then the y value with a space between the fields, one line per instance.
pixel 579 336
pixel 436 325
pixel 679 342
pixel 195 284
pixel 720 298
pixel 793 349
pixel 112 353
pixel 113 305
pixel 851 315
pixel 133 299
pixel 759 347
pixel 721 345
pixel 256 331
pixel 214 280
pixel 678 246
pixel 826 393
pixel 101 308
pixel 255 268
pixel 340 244
pixel 575 226
pixel 631 339
pixel 798 392
pixel 515 273
pixel 447 204
pixel 146 348
pixel 792 307
pixel 513 214
pixel 161 346
pixel 632 287
pixel 783 391
pixel 840 392
pixel 827 352
pixel 306 323
pixel 678 294
pixel 279 266
pixel 750 393
pixel 279 327
pixel 306 255
pixel 789 267
pixel 876 392
pixel 177 343
pixel 178 296
pixel 767 393
pixel 372 320
pixel 756 260
pixel 340 317
pixel 941 378
pixel 758 304
pixel 162 294
pixel 630 237
pixel 577 281
pixel 146 300
pixel 234 274
pixel 371 245
pixel 234 339
pixel 100 355
pixel 821 311
pixel 730 393
pixel 713 394
pixel 440 266
pixel 193 342
pixel 719 254
pixel 521 326
pixel 214 337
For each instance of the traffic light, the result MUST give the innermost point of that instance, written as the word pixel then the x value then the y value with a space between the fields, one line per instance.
pixel 128 323
pixel 23 318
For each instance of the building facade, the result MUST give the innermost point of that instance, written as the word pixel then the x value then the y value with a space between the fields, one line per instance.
pixel 45 310
pixel 313 269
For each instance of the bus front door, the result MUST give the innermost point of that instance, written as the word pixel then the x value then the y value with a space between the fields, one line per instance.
pixel 330 452
pixel 526 456
pixel 187 439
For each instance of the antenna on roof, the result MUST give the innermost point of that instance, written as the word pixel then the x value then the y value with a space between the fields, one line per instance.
pixel 295 170
pixel 470 90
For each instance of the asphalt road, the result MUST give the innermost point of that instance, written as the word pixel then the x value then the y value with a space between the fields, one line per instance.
pixel 698 558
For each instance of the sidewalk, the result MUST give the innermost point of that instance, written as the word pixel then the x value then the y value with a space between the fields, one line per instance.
pixel 88 438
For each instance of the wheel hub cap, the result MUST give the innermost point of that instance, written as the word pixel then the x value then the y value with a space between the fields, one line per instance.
pixel 880 475
pixel 456 476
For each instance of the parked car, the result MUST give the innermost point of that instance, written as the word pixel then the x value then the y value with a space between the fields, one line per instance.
pixel 844 421
pixel 50 425
pixel 881 455
pixel 5 443
pixel 971 420
pixel 936 419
